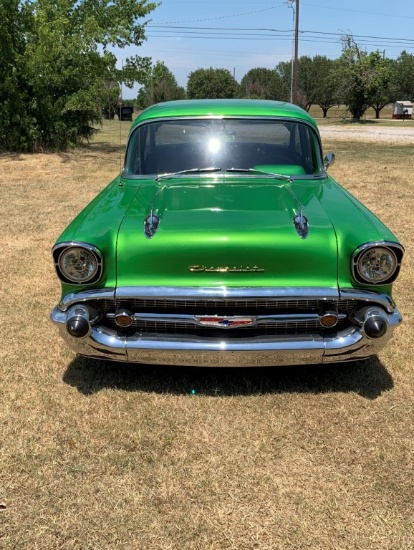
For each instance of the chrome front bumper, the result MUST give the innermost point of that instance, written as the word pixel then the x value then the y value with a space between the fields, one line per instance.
pixel 169 349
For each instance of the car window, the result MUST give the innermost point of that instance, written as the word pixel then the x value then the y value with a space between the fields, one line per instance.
pixel 176 145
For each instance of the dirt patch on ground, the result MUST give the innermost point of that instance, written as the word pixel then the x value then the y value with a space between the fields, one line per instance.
pixel 368 133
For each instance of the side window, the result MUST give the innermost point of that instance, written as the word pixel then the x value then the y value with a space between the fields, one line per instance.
pixel 301 143
pixel 298 140
pixel 308 150
pixel 139 145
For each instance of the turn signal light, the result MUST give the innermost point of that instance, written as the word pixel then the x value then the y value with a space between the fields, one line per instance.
pixel 123 318
pixel 329 320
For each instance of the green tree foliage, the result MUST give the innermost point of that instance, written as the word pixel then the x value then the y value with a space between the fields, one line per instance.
pixel 129 103
pixel 361 77
pixel 159 85
pixel 17 125
pixel 261 83
pixel 327 91
pixel 284 70
pixel 385 91
pixel 211 84
pixel 317 83
pixel 307 82
pixel 110 99
pixel 57 61
pixel 403 78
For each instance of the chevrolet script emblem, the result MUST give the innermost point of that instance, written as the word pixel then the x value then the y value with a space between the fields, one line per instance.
pixel 240 269
pixel 226 322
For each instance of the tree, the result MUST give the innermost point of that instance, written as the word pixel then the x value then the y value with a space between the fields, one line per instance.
pixel 160 85
pixel 211 84
pixel 261 83
pixel 327 92
pixel 317 84
pixel 110 99
pixel 307 82
pixel 384 92
pixel 60 65
pixel 16 122
pixel 284 70
pixel 361 76
pixel 403 78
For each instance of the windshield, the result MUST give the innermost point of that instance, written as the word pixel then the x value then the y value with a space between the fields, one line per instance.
pixel 168 146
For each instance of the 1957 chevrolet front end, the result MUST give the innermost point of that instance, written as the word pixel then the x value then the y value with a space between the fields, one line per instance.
pixel 224 242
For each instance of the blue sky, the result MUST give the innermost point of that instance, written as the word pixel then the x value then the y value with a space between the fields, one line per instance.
pixel 239 35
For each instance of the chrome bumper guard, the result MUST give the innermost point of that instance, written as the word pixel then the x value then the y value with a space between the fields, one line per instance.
pixel 349 344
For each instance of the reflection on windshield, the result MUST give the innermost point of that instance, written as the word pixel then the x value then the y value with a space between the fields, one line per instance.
pixel 172 146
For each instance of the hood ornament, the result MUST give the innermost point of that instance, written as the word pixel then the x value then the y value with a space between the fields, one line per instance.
pixel 300 221
pixel 151 225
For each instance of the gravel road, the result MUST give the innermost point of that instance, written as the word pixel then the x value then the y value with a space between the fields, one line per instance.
pixel 368 133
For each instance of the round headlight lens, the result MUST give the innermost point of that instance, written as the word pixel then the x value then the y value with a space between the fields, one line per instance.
pixel 377 264
pixel 78 265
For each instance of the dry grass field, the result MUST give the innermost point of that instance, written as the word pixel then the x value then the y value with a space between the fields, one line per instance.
pixel 97 455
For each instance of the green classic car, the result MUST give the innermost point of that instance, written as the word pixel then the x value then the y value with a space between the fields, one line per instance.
pixel 224 242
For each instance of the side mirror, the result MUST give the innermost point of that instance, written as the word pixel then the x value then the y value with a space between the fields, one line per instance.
pixel 328 160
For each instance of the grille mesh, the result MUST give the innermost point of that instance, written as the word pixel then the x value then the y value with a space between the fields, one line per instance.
pixel 229 307
pixel 195 306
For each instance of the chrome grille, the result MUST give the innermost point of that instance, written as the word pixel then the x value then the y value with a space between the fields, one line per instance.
pixel 270 327
pixel 212 305
pixel 228 307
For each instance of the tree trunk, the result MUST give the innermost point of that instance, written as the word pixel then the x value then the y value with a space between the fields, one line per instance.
pixel 357 112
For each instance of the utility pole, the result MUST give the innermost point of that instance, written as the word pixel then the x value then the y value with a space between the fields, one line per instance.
pixel 296 58
pixel 291 5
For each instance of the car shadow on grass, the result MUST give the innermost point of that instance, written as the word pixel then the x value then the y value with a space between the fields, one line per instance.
pixel 369 379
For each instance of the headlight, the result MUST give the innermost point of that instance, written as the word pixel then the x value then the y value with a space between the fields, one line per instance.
pixel 77 263
pixel 377 263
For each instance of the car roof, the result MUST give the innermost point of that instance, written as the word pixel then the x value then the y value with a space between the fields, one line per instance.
pixel 223 108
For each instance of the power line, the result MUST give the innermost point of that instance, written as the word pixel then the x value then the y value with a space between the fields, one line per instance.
pixel 225 16
pixel 234 33
pixel 265 29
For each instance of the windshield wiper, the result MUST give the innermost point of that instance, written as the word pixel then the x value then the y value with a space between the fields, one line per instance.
pixel 189 171
pixel 283 177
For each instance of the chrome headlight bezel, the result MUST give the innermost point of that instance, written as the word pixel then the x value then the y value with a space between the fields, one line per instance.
pixel 395 253
pixel 95 260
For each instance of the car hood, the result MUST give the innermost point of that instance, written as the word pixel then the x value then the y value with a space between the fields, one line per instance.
pixel 226 233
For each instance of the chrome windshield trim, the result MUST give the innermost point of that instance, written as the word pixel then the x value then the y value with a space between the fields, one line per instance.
pixel 252 117
pixel 319 174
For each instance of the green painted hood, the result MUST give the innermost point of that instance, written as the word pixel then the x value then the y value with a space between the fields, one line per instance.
pixel 234 233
